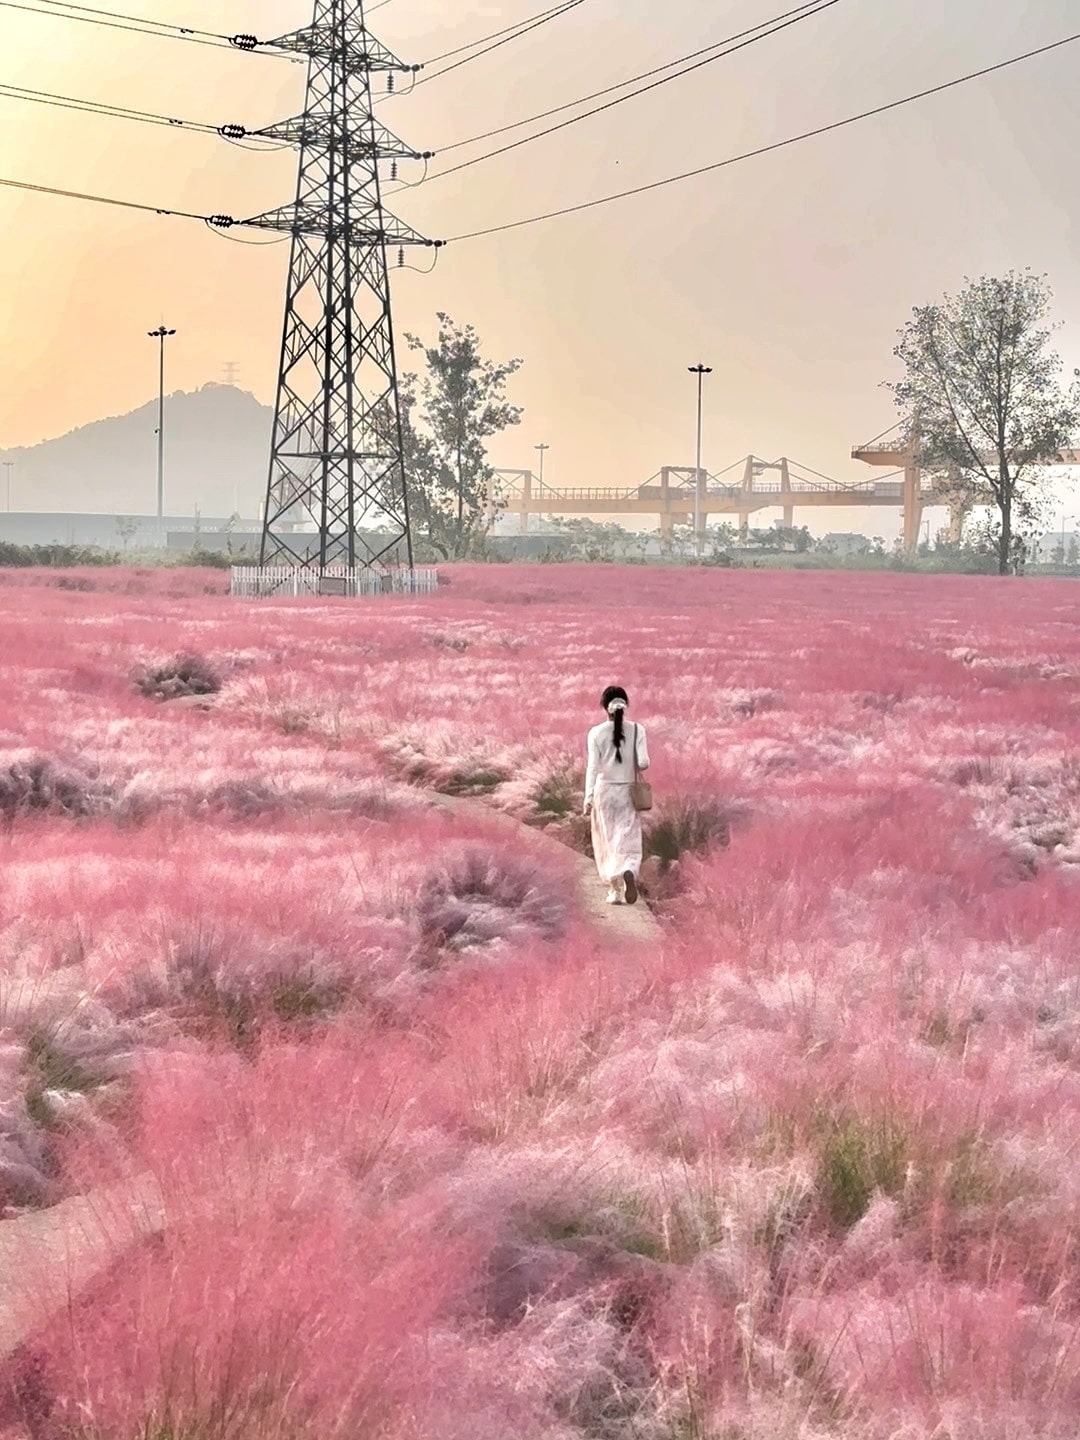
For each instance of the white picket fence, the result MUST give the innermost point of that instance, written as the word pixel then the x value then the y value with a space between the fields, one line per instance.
pixel 255 582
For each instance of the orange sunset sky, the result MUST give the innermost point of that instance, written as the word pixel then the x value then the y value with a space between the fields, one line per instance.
pixel 789 274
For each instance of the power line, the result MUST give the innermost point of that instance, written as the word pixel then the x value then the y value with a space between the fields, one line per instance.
pixel 718 54
pixel 630 80
pixel 139 19
pixel 100 107
pixel 225 222
pixel 524 29
pixel 112 200
pixel 767 149
pixel 137 25
pixel 548 14
pixel 137 28
pixel 236 134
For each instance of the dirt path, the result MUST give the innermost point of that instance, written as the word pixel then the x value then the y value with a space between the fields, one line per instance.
pixel 49 1257
pixel 612 924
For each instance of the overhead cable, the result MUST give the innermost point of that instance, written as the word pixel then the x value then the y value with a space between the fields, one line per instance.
pixel 768 149
pixel 112 200
pixel 238 134
pixel 621 85
pixel 525 28
pixel 100 107
pixel 63 5
pixel 225 222
pixel 807 13
pixel 549 14
pixel 139 25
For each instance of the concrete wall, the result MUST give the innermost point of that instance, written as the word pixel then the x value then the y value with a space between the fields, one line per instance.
pixel 110 532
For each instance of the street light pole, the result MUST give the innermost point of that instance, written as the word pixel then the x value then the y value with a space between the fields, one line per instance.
pixel 541 449
pixel 700 371
pixel 8 466
pixel 160 334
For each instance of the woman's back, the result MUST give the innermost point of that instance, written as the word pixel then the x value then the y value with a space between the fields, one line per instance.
pixel 610 798
pixel 604 764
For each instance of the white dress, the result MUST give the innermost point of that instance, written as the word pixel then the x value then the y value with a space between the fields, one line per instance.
pixel 616 825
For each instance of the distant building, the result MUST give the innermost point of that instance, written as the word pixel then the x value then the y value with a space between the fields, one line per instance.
pixel 844 544
pixel 107 532
pixel 1048 547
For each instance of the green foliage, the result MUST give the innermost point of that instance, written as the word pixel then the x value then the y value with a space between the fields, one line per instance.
pixel 182 675
pixel 300 996
pixel 860 1154
pixel 54 1069
pixel 981 391
pixel 60 557
pixel 474 780
pixel 795 538
pixel 599 541
pixel 684 825
pixel 50 1067
pixel 448 415
pixel 209 559
pixel 858 1158
pixel 559 793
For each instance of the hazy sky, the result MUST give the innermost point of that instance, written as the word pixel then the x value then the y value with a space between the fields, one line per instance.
pixel 789 274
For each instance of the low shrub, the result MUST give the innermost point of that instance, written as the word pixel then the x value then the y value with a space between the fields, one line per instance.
pixel 559 794
pixel 681 825
pixel 37 785
pixel 482 896
pixel 209 560
pixel 863 1155
pixel 185 674
pixel 55 556
pixel 221 999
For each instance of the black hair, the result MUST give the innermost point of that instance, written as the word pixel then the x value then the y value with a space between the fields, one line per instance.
pixel 616 692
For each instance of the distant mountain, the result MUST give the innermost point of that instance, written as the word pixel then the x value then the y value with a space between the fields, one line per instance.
pixel 217 449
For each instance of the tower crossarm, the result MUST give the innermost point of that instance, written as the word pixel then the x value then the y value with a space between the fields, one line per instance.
pixel 317 130
pixel 378 227
pixel 351 44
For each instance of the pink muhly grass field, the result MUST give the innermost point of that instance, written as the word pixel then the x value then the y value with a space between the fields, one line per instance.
pixel 440 1160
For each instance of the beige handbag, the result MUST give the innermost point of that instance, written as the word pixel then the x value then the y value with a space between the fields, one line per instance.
pixel 640 790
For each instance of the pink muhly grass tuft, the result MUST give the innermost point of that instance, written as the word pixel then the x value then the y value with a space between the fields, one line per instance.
pixel 257 1326
pixel 441 758
pixel 920 1350
pixel 475 897
pixel 803 1171
pixel 35 785
pixel 183 675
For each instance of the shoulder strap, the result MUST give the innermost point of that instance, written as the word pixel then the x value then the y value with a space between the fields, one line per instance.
pixel 637 772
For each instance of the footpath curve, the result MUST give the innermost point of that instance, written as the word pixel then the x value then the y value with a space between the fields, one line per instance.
pixel 613 925
pixel 49 1257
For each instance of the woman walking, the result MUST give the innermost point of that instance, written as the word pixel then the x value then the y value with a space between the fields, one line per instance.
pixel 617 751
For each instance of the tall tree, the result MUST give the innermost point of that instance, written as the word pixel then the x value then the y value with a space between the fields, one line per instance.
pixel 983 395
pixel 449 413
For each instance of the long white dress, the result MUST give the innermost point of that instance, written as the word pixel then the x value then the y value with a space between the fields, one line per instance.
pixel 616 825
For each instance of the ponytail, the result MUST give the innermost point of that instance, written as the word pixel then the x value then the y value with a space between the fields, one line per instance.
pixel 615 700
pixel 617 719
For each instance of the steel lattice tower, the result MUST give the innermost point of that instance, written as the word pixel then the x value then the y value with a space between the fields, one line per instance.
pixel 337 453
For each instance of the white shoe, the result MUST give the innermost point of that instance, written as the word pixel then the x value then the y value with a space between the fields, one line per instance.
pixel 613 897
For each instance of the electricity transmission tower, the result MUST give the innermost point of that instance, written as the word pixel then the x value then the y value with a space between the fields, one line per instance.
pixel 336 460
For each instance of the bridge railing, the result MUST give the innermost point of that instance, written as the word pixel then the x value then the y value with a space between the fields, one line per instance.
pixel 590 492
pixel 656 494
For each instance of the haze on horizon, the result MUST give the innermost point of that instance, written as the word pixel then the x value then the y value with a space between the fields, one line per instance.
pixel 789 274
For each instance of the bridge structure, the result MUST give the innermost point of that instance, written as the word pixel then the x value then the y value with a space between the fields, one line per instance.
pixel 747 487
pixel 743 489
pixel 923 488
